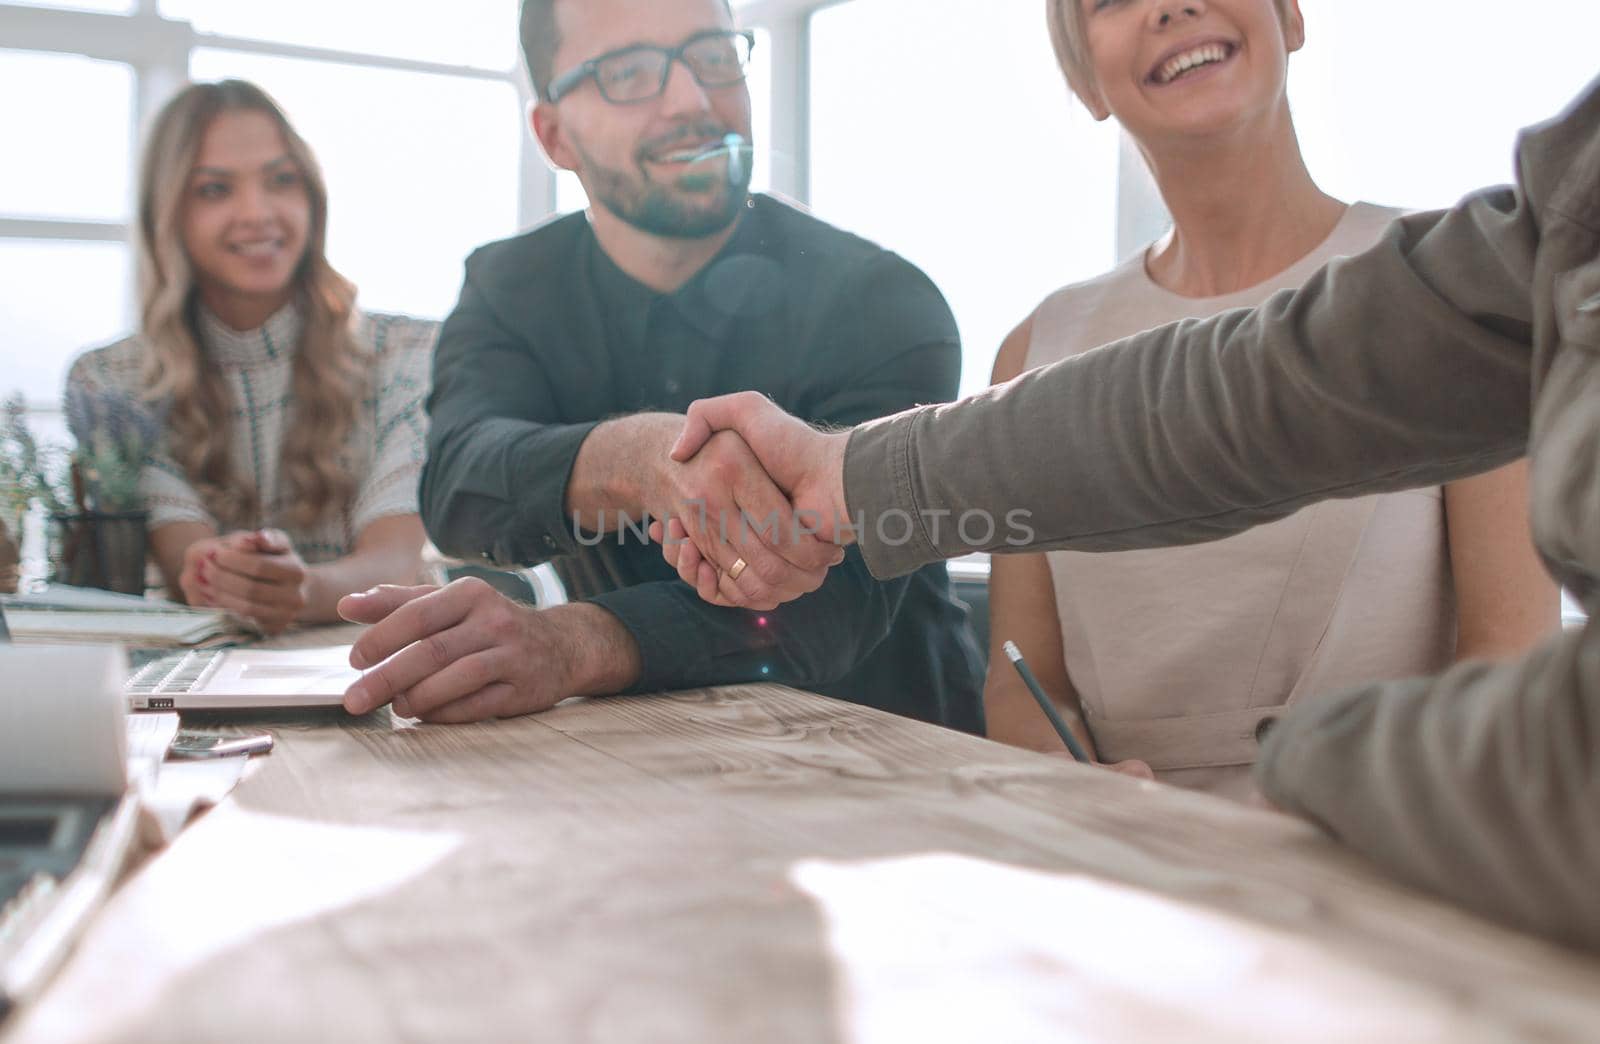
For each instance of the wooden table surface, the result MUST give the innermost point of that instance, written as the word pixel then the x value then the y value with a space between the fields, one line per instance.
pixel 757 864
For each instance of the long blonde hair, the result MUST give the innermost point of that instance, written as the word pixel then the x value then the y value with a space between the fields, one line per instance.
pixel 331 368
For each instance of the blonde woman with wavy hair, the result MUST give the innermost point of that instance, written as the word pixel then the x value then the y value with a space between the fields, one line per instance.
pixel 293 421
pixel 1179 660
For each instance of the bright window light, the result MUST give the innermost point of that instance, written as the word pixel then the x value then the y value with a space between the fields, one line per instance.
pixel 60 298
pixel 421 168
pixel 69 147
pixel 101 6
pixel 1389 106
pixel 942 130
pixel 480 33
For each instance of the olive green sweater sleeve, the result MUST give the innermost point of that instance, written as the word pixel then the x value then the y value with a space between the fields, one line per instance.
pixel 1405 366
pixel 1481 785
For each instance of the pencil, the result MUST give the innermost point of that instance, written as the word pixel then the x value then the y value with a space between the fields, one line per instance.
pixel 1045 704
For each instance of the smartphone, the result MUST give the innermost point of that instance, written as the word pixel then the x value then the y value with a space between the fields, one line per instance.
pixel 210 745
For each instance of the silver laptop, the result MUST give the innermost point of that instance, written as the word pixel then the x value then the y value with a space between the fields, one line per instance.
pixel 240 679
pixel 67 817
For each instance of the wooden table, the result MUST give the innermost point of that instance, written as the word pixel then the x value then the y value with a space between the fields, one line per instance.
pixel 756 864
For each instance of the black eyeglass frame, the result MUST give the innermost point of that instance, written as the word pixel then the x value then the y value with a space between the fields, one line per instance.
pixel 567 82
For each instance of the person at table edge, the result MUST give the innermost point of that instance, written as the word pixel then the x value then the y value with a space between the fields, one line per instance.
pixel 1464 340
pixel 562 374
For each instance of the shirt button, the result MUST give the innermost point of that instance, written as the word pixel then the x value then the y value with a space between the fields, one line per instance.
pixel 488 556
pixel 1264 728
pixel 550 542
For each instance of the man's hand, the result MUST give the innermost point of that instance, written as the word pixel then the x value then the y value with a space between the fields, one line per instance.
pixel 255 575
pixel 467 653
pixel 722 495
pixel 806 464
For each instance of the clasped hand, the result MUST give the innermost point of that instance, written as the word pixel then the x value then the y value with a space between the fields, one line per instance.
pixel 734 556
pixel 255 575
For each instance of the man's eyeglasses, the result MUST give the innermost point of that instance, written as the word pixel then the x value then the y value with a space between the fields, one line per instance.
pixel 639 73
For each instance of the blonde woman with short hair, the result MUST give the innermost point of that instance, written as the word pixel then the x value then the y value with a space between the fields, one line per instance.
pixel 293 421
pixel 1179 660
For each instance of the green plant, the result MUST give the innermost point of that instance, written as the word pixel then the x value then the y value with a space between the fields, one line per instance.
pixel 115 435
pixel 28 471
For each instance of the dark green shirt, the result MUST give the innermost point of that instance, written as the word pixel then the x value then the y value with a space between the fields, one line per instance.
pixel 550 338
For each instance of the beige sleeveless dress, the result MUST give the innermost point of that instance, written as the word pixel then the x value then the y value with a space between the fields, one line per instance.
pixel 1184 656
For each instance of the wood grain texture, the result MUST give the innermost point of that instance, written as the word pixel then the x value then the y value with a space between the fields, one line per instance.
pixel 759 864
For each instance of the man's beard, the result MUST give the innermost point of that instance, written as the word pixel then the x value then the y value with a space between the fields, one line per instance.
pixel 697 205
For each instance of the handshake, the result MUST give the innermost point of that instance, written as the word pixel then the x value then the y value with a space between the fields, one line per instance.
pixel 757 512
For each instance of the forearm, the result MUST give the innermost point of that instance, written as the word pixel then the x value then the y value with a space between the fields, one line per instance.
pixel 1480 785
pixel 1013 717
pixel 1532 616
pixel 1408 365
pixel 496 487
pixel 605 656
pixel 615 479
pixel 1506 601
pixel 389 551
pixel 168 544
pixel 1023 610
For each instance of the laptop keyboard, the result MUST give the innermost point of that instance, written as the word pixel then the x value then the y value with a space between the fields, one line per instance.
pixel 173 675
pixel 23 897
pixel 46 890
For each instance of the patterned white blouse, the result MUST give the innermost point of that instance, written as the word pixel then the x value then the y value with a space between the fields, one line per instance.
pixel 385 447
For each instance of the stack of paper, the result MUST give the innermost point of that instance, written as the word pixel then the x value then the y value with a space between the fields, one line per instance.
pixel 75 614
pixel 145 629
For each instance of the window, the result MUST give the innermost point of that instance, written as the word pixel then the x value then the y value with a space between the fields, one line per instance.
pixel 963 153
pixel 480 33
pixel 60 297
pixel 65 270
pixel 69 151
pixel 415 117
pixel 1415 105
pixel 105 6
pixel 421 168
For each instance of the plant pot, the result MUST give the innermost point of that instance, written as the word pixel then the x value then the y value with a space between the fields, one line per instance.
pixel 10 561
pixel 104 550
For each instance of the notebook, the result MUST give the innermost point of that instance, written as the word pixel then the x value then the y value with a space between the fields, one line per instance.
pixel 63 614
pixel 99 627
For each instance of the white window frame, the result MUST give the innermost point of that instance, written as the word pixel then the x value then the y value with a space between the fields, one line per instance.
pixel 158 50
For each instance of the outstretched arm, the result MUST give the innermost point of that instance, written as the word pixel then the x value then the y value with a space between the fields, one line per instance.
pixel 1405 366
pixel 1408 365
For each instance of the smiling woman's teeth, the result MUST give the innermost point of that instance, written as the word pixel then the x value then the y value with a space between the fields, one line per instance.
pixel 1209 54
